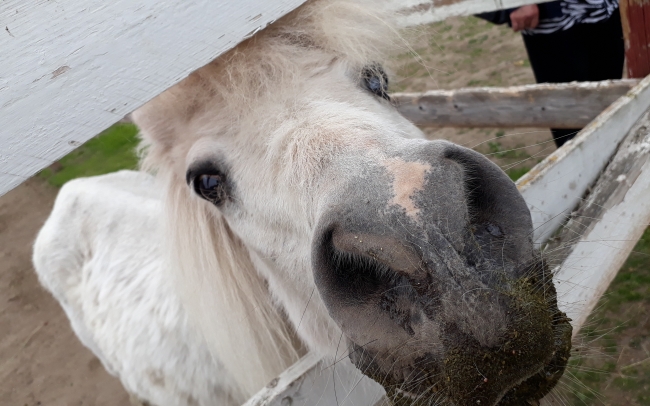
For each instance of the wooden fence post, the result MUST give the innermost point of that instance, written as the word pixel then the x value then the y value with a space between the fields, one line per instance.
pixel 635 18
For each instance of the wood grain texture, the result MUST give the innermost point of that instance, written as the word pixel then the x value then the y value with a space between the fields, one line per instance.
pixel 635 19
pixel 603 230
pixel 567 105
pixel 554 187
pixel 70 69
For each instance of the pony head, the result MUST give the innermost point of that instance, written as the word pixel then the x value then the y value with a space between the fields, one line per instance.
pixel 300 202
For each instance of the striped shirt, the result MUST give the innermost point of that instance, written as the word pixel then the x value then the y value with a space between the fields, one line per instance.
pixel 564 14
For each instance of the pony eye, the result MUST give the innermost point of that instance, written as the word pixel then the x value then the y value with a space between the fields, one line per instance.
pixel 375 80
pixel 211 188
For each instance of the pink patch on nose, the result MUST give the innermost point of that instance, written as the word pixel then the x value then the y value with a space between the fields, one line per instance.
pixel 408 178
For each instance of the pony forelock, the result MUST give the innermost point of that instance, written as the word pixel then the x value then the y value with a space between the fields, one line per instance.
pixel 226 297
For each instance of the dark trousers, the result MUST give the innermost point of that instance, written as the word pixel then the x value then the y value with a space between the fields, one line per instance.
pixel 584 52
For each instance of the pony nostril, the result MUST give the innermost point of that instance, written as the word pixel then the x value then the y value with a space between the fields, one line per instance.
pixel 347 272
pixel 389 251
pixel 494 230
pixel 355 266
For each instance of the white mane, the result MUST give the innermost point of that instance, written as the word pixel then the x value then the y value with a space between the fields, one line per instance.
pixel 214 269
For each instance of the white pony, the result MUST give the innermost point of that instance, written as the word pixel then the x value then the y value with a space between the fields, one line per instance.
pixel 294 209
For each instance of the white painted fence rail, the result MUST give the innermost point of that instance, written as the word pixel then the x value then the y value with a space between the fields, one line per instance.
pixel 553 105
pixel 417 12
pixel 311 381
pixel 70 69
pixel 602 232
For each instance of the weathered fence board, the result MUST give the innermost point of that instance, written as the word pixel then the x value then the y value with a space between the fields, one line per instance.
pixel 554 187
pixel 566 105
pixel 602 232
pixel 70 69
pixel 311 381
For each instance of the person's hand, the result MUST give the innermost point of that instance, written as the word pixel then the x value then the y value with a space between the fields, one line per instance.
pixel 525 17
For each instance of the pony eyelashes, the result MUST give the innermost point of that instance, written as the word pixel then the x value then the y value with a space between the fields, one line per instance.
pixel 375 80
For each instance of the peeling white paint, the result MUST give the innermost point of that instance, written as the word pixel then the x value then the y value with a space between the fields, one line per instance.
pixel 597 257
pixel 71 69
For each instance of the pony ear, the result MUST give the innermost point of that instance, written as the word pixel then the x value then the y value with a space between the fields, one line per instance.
pixel 156 130
pixel 164 120
pixel 161 118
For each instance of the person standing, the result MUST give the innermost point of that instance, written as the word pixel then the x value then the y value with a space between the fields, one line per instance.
pixel 569 40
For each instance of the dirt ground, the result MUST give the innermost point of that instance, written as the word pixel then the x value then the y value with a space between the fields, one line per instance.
pixel 42 362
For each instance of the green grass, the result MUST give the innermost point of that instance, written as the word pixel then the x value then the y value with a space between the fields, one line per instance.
pixel 110 151
pixel 632 284
pixel 477 41
pixel 516 173
pixel 476 83
pixel 610 330
pixel 496 149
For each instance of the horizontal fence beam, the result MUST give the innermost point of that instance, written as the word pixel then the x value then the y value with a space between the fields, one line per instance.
pixel 312 381
pixel 565 105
